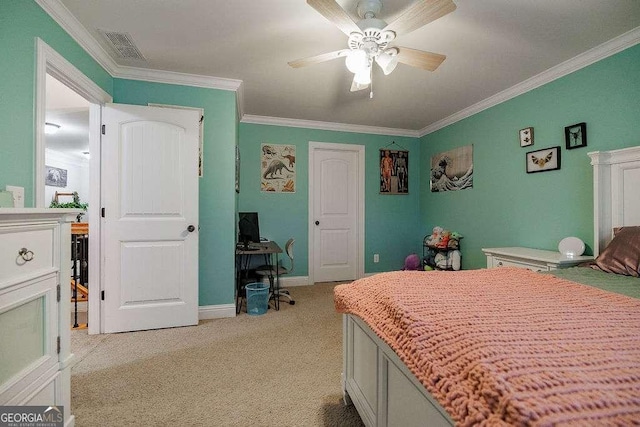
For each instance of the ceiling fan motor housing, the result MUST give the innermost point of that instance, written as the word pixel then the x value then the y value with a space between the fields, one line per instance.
pixel 372 39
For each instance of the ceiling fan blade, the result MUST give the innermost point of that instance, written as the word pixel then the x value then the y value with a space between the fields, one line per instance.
pixel 419 58
pixel 318 58
pixel 355 86
pixel 420 14
pixel 336 14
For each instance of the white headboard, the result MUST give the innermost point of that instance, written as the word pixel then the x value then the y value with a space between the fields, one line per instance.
pixel 616 192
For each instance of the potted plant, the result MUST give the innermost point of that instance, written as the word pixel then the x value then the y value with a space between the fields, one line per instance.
pixel 75 204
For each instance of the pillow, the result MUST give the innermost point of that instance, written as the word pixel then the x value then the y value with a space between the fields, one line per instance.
pixel 622 255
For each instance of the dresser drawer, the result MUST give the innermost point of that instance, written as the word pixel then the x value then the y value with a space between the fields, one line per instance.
pixel 501 262
pixel 38 243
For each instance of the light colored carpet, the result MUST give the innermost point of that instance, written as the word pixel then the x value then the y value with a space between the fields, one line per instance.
pixel 279 369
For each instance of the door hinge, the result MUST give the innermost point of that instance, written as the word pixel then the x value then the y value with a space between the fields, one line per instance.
pixel 102 295
pixel 58 345
pixel 102 212
pixel 58 293
pixel 104 128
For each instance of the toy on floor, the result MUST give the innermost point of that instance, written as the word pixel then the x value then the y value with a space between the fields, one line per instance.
pixel 411 262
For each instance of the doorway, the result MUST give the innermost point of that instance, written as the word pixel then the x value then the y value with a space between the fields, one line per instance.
pixel 336 212
pixel 67 180
pixel 51 63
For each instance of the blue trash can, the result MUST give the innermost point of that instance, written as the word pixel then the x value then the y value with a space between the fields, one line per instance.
pixel 257 298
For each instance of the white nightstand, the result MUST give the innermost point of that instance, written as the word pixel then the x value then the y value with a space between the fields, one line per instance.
pixel 533 259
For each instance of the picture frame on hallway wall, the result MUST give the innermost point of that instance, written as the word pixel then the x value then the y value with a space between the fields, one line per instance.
pixel 55 177
pixel 575 136
pixel 547 159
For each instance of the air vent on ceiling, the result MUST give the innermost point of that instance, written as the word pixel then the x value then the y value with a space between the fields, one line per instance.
pixel 123 45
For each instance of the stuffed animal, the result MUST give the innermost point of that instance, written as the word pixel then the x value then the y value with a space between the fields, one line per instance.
pixel 454 240
pixel 450 260
pixel 445 236
pixel 411 262
pixel 436 236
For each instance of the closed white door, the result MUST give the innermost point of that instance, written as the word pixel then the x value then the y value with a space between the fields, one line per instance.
pixel 150 224
pixel 336 212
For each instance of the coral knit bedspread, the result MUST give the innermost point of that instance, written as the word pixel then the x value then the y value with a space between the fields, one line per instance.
pixel 508 346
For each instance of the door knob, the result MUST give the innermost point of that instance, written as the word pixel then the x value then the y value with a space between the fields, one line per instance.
pixel 191 229
pixel 317 222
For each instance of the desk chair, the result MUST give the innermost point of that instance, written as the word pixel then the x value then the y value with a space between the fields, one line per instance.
pixel 271 271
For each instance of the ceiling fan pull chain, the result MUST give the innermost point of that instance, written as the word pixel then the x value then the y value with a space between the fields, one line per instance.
pixel 371 87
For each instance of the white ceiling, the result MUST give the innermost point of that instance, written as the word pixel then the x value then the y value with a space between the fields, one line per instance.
pixel 70 111
pixel 491 45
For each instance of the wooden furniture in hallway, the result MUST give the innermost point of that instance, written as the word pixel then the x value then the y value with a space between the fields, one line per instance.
pixel 79 268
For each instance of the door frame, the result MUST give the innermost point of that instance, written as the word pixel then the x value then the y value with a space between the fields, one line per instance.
pixel 360 153
pixel 51 62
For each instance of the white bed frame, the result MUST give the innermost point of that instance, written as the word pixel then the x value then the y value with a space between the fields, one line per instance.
pixel 378 383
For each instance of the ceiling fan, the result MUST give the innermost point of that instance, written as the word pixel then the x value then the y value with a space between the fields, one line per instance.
pixel 369 38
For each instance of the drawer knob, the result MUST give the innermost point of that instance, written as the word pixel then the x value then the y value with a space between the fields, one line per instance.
pixel 26 254
pixel 500 264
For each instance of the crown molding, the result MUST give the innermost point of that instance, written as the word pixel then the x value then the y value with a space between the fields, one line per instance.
pixel 172 77
pixel 338 127
pixel 609 48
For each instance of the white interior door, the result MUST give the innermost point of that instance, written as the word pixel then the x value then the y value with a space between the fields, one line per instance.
pixel 336 237
pixel 150 200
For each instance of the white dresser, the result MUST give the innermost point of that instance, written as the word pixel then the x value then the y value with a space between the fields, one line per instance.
pixel 35 259
pixel 533 259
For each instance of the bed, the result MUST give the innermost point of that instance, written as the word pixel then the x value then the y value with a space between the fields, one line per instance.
pixel 505 346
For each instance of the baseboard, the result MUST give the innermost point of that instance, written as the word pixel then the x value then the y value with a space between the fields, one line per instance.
pixel 216 311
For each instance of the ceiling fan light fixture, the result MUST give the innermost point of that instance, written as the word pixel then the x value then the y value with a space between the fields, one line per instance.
pixel 357 61
pixel 388 60
pixel 51 128
pixel 363 77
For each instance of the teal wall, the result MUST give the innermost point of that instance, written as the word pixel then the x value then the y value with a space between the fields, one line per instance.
pixel 507 206
pixel 391 222
pixel 217 186
pixel 21 21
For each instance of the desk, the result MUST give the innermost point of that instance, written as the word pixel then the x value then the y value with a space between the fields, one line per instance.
pixel 243 263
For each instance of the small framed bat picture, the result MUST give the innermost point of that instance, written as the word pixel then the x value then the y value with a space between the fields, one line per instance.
pixel 526 137
pixel 575 136
pixel 547 159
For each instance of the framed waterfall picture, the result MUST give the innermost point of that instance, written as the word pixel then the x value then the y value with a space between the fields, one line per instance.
pixel 452 170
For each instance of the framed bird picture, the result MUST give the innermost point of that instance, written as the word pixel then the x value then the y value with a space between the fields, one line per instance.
pixel 575 136
pixel 547 159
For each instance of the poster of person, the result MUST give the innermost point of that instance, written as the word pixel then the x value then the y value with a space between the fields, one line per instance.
pixel 452 170
pixel 394 171
pixel 278 168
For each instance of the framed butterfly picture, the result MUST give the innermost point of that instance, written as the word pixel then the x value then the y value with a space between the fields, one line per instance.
pixel 547 159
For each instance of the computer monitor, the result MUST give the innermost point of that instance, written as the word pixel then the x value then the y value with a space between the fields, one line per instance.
pixel 248 228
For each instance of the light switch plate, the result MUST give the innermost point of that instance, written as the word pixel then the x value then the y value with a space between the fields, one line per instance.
pixel 18 195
